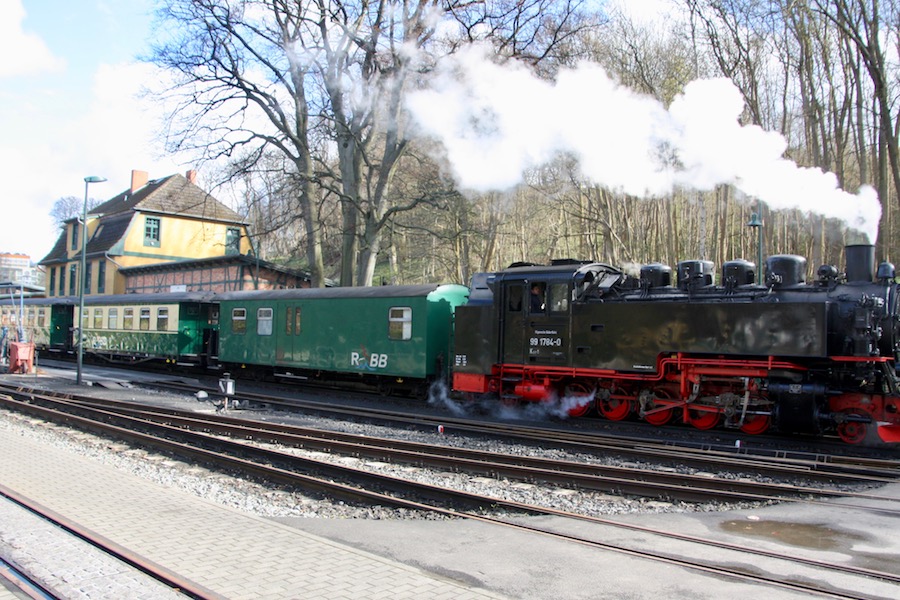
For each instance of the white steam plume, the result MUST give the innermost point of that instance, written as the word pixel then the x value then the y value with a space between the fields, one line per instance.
pixel 497 121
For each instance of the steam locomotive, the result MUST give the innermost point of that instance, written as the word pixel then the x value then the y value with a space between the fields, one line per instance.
pixel 800 357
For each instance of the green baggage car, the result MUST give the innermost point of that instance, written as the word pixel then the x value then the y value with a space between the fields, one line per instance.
pixel 397 338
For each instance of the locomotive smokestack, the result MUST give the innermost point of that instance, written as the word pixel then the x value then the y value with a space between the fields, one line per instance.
pixel 860 263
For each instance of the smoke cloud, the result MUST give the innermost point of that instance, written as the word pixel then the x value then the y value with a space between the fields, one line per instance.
pixel 553 407
pixel 495 122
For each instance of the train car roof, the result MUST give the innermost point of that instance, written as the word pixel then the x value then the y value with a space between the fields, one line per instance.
pixel 65 300
pixel 384 291
pixel 567 269
pixel 157 298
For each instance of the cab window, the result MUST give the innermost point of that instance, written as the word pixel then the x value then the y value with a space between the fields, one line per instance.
pixel 559 297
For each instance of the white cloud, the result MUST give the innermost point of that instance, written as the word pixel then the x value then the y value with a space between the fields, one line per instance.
pixel 23 53
pixel 115 134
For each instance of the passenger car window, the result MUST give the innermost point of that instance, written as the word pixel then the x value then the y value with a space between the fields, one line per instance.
pixel 162 319
pixel 400 323
pixel 239 320
pixel 264 321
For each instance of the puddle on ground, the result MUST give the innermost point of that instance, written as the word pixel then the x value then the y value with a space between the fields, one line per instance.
pixel 806 535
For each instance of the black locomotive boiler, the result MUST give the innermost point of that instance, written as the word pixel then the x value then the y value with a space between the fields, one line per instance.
pixel 813 357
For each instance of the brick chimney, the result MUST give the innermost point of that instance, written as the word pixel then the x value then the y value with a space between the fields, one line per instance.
pixel 138 180
pixel 191 176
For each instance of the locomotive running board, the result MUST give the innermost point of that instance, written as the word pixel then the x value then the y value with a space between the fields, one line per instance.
pixel 889 433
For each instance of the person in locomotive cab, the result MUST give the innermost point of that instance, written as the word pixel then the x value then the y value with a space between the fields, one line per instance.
pixel 537 298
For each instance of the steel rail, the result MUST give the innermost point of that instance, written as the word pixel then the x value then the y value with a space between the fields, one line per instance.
pixel 117 551
pixel 24 583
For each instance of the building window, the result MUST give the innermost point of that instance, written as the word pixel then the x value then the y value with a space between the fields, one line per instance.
pixel 162 319
pixel 128 319
pixel 75 229
pixel 400 323
pixel 112 319
pixel 239 320
pixel 52 287
pixel 232 241
pixel 42 317
pixel 73 276
pixel 62 281
pixel 98 318
pixel 87 277
pixel 264 321
pixel 151 232
pixel 101 277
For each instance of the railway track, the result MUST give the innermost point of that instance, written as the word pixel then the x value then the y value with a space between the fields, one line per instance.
pixel 31 587
pixel 812 466
pixel 665 485
pixel 370 488
pixel 24 584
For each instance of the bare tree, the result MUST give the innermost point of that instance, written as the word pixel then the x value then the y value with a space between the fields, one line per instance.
pixel 69 207
pixel 242 86
pixel 860 23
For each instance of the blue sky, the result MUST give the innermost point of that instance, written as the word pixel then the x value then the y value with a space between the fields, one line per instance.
pixel 68 109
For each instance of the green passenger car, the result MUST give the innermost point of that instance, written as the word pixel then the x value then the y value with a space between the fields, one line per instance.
pixel 397 336
pixel 37 317
pixel 175 328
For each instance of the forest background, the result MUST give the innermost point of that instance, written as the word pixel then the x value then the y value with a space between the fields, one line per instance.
pixel 316 110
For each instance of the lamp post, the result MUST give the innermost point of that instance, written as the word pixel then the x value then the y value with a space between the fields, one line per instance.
pixel 756 223
pixel 81 278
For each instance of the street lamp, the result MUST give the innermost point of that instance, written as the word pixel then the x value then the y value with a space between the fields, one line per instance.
pixel 80 341
pixel 756 223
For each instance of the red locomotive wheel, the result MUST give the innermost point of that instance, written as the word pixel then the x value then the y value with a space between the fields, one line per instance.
pixel 703 419
pixel 578 390
pixel 853 432
pixel 660 418
pixel 663 416
pixel 756 424
pixel 614 409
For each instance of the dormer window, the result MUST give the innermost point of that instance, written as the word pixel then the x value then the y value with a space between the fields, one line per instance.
pixel 151 232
